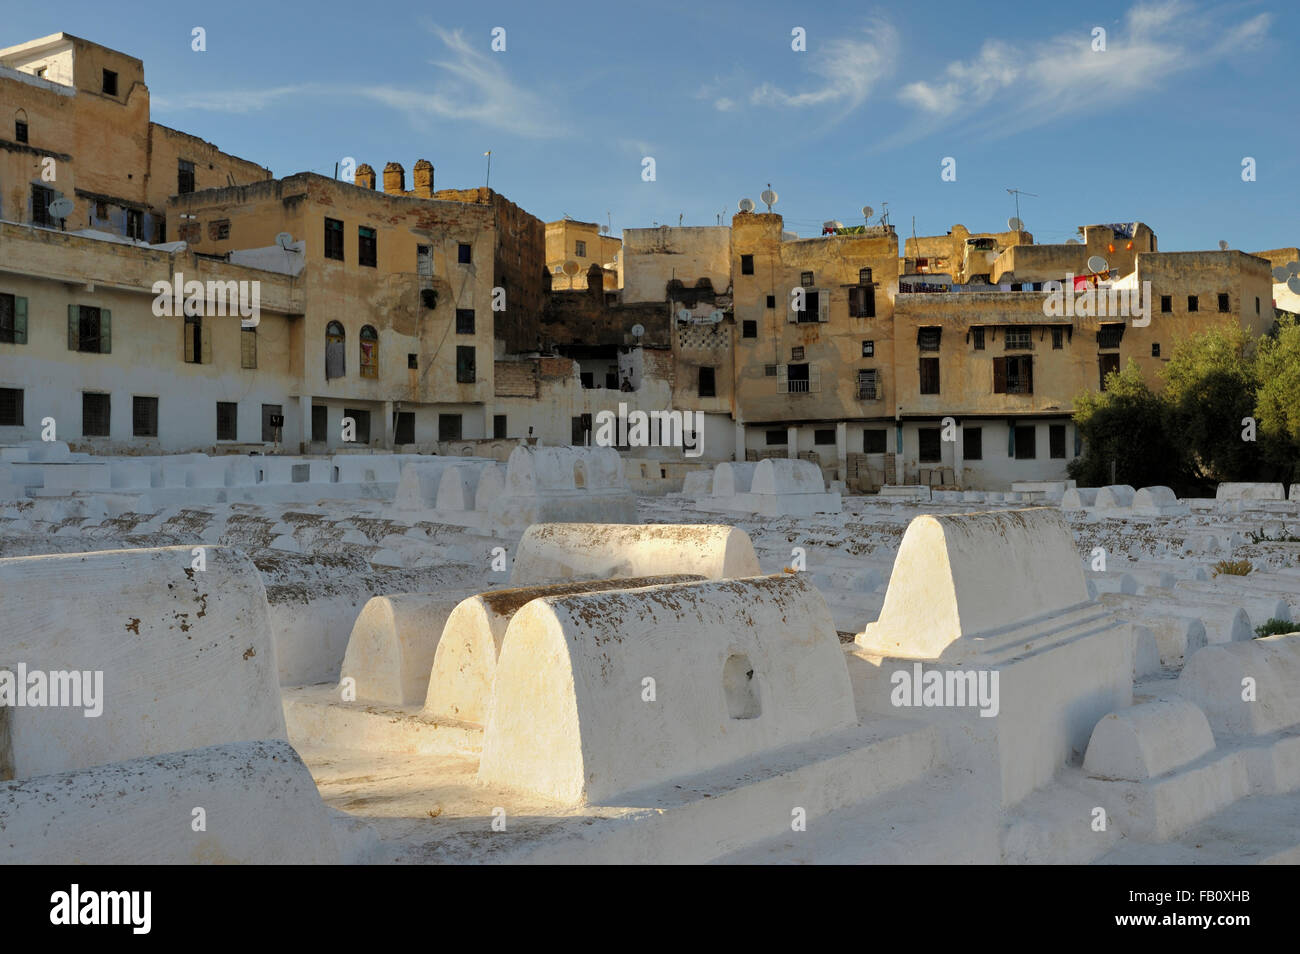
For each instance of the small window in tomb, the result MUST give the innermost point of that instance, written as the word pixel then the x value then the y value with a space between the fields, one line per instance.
pixel 824 435
pixel 739 688
pixel 776 438
pixel 747 264
pixel 300 474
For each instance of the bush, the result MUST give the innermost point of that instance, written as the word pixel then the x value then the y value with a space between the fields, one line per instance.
pixel 1275 627
pixel 1233 568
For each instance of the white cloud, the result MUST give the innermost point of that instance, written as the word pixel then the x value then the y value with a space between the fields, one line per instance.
pixel 233 101
pixel 724 104
pixel 850 67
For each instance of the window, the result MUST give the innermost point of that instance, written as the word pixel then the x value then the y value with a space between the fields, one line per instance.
pixel 587 379
pixel 824 436
pixel 193 330
pixel 769 370
pixel 1013 374
pixel 367 247
pixel 580 427
pixel 498 427
pixel 219 231
pixel 929 375
pixel 868 384
pixel 864 276
pixel 806 279
pixel 868 349
pixel 413 361
pixel 1107 364
pixel 972 443
pixel 930 445
pixel 424 261
pixel 135 224
pixel 463 251
pixel 270 414
pixel 776 438
pixel 927 339
pixel 160 231
pixel 1025 438
pixel 89 329
pixel 707 386
pixel 110 83
pixel 11 407
pixel 771 301
pixel 1166 303
pixel 248 348
pixel 977 338
pixel 41 199
pixel 812 305
pixel 334 239
pixel 20 130
pixel 1018 339
pixel 40 72
pixel 873 440
pixel 862 301
pixel 448 427
pixel 747 264
pixel 361 419
pixel 465 365
pixel 1193 303
pixel 580 248
pixel 369 340
pixel 1056 441
pixel 95 413
pixel 319 424
pixel 796 354
pixel 335 355
pixel 13 319
pixel 1058 339
pixel 1223 302
pixel 749 329
pixel 404 427
pixel 1109 336
pixel 464 321
pixel 184 177
pixel 227 421
pixel 1155 349
pixel 796 377
pixel 1257 304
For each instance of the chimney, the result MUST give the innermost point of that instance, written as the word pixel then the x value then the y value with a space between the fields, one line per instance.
pixel 422 178
pixel 365 177
pixel 394 179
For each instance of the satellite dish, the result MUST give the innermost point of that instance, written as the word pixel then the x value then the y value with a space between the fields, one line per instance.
pixel 1293 283
pixel 769 197
pixel 715 316
pixel 745 205
pixel 604 230
pixel 1097 264
pixel 868 211
pixel 684 314
pixel 1014 224
pixel 61 208
pixel 284 240
pixel 1280 274
pixel 570 267
pixel 1293 268
pixel 1223 245
pixel 1052 286
pixel 638 331
pixel 832 224
pixel 1071 241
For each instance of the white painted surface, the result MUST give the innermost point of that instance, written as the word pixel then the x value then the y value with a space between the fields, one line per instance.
pixel 1148 740
pixel 558 552
pixel 391 650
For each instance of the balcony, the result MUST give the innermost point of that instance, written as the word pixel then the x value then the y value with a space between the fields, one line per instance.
pixel 809 384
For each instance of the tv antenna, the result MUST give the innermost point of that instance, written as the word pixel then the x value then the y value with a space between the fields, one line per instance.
pixel 884 213
pixel 1018 193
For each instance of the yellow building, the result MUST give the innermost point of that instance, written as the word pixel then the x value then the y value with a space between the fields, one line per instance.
pixel 579 245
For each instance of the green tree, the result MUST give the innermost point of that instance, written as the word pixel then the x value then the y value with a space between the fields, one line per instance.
pixel 1277 405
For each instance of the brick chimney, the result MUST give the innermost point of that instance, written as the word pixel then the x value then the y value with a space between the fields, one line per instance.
pixel 394 179
pixel 365 177
pixel 422 177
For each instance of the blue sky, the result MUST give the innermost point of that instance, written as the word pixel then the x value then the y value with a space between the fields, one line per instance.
pixel 1153 128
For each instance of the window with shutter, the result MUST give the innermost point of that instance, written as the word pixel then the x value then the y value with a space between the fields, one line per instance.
pixel 999 375
pixel 927 339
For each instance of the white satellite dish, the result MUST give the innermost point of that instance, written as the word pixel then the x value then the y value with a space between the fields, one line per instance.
pixel 638 331
pixel 1223 245
pixel 769 197
pixel 745 205
pixel 1280 274
pixel 1071 241
pixel 570 267
pixel 1097 264
pixel 715 316
pixel 868 211
pixel 1293 283
pixel 61 208
pixel 1014 224
pixel 683 314
pixel 604 230
pixel 1052 286
pixel 284 240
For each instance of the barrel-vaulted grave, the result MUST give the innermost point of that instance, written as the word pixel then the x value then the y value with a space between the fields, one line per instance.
pixel 186 654
pixel 559 552
pixel 736 668
pixel 564 484
pixel 391 648
pixel 465 660
pixel 1006 592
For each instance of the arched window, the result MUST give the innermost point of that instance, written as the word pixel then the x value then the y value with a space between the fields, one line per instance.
pixel 335 353
pixel 20 126
pixel 369 352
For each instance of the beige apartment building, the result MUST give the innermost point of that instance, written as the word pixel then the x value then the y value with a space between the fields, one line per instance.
pixel 573 247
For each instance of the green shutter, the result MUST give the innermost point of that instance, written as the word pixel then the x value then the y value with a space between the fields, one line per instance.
pixel 20 321
pixel 74 317
pixel 105 331
pixel 1011 439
